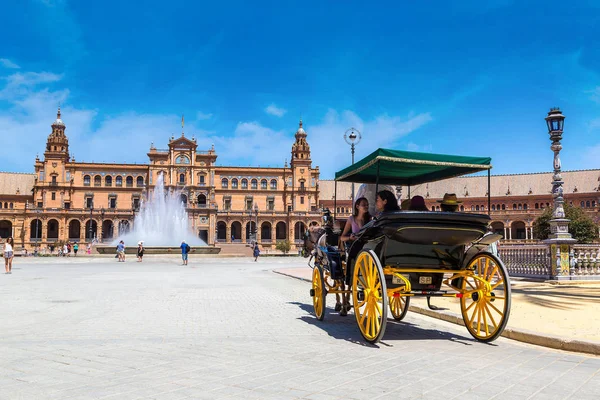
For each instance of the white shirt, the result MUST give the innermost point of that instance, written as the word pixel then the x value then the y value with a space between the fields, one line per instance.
pixel 7 247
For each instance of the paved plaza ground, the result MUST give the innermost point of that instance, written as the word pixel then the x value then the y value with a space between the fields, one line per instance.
pixel 92 328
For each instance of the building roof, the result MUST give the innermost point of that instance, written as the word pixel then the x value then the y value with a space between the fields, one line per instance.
pixel 534 184
pixel 11 182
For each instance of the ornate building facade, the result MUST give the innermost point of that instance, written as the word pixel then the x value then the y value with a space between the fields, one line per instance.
pixel 65 200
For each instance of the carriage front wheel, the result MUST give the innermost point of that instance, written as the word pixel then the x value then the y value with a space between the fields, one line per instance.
pixel 369 295
pixel 485 304
pixel 318 292
pixel 399 306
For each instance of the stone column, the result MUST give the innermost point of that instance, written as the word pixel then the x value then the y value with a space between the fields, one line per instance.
pixel 228 234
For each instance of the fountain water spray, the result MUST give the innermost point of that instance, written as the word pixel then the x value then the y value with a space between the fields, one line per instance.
pixel 162 221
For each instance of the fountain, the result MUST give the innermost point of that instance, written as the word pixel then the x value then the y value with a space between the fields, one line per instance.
pixel 161 224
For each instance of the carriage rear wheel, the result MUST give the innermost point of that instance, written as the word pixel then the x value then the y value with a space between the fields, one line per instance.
pixel 369 295
pixel 399 306
pixel 319 293
pixel 487 307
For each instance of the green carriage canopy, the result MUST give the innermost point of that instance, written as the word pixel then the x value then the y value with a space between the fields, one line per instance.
pixel 410 168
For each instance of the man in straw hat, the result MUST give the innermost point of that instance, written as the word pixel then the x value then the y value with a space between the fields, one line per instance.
pixel 450 202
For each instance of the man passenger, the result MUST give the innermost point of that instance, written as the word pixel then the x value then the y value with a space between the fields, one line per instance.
pixel 449 203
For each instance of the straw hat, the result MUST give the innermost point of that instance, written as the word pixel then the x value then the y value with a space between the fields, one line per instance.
pixel 450 199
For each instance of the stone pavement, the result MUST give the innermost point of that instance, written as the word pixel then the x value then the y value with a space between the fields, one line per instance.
pixel 544 312
pixel 230 328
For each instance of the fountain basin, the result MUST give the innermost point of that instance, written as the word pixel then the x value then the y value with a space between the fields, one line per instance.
pixel 110 249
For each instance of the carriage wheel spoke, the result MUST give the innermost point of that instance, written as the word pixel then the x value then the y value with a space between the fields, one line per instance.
pixel 485 324
pixel 487 264
pixel 494 307
pixel 487 310
pixel 471 305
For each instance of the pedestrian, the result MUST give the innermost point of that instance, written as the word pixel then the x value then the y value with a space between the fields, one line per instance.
pixel 8 254
pixel 140 251
pixel 256 251
pixel 69 249
pixel 121 251
pixel 185 249
pixel 75 249
pixel 89 248
pixel 65 250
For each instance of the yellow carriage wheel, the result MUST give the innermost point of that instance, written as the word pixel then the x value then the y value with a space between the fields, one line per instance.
pixel 319 293
pixel 369 295
pixel 399 306
pixel 485 304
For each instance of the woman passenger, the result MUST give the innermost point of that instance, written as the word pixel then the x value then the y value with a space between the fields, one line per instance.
pixel 357 220
pixel 386 202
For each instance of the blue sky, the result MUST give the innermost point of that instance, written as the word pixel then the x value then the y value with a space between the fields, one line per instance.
pixel 465 78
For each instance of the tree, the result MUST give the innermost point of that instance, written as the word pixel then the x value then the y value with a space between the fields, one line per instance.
pixel 284 246
pixel 581 226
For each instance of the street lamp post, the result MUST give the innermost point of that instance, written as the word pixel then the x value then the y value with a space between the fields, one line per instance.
pixel 352 136
pixel 559 238
pixel 90 230
pixel 256 222
pixel 37 230
pixel 102 225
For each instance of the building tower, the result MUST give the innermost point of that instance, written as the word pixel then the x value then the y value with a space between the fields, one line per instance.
pixel 57 145
pixel 301 172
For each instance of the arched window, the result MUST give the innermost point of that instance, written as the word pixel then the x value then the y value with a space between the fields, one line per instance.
pixel 473 208
pixel 183 199
pixel 537 206
pixel 0 204
pixel 224 183
pixel 129 181
pixel 108 180
pixel 520 206
pixel 593 203
pixel 524 206
pixel 582 204
pixel 244 183
pixel 254 184
pixel 462 208
pixel 437 208
pixel 139 182
pixel 201 200
pixel 234 183
pixel 493 207
pixel 432 208
pixel 274 184
pixel 119 181
pixel 97 180
pixel 87 180
pixel 263 184
pixel 503 207
pixel 476 208
pixel 514 206
pixel 181 178
pixel 482 208
pixel 587 204
pixel 10 205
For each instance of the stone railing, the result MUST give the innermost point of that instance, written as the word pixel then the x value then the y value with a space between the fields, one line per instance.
pixel 535 261
pixel 585 261
pixel 527 260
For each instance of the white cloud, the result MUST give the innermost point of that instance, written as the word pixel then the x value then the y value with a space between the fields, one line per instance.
pixel 200 116
pixel 126 137
pixel 8 64
pixel 276 111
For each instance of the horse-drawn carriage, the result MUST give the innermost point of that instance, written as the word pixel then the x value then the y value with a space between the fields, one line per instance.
pixel 405 254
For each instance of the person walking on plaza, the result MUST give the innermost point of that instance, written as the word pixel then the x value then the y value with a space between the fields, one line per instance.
pixel 185 249
pixel 89 248
pixel 8 254
pixel 121 251
pixel 140 251
pixel 256 251
pixel 75 248
pixel 65 250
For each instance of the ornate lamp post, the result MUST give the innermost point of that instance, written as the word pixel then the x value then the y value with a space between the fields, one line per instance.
pixel 37 230
pixel 101 224
pixel 90 230
pixel 256 222
pixel 559 238
pixel 352 136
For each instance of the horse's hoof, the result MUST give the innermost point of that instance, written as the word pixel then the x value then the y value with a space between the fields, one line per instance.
pixel 343 312
pixel 338 306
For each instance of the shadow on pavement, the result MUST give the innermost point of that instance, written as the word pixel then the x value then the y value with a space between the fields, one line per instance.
pixel 567 298
pixel 345 328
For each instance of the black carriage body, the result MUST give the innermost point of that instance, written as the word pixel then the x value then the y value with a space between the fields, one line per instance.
pixel 422 240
